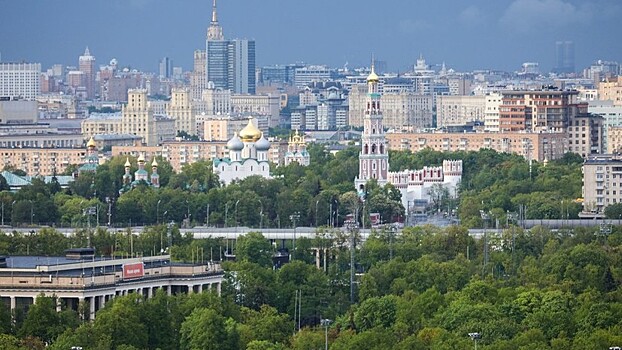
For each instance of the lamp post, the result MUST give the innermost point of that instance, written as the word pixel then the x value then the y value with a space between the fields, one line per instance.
pixel 260 214
pixel 236 213
pixel 109 201
pixel 475 336
pixel 12 204
pixel 316 203
pixel 32 213
pixel 294 218
pixel 226 213
pixel 158 211
pixel 325 322
pixel 351 225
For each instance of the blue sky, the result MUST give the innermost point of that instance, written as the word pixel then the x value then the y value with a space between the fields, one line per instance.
pixel 467 35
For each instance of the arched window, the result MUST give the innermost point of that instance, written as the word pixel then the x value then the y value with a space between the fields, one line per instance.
pixel 366 149
pixel 381 149
pixel 373 149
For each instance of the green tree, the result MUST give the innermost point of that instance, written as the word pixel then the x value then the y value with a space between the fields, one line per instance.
pixel 206 329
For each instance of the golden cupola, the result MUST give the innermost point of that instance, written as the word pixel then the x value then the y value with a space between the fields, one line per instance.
pixel 250 133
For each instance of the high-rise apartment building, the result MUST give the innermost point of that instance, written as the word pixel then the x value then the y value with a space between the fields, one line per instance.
pixel 198 81
pixel 543 110
pixel 86 65
pixel 20 80
pixel 564 57
pixel 611 90
pixel 402 110
pixel 459 110
pixel 181 108
pixel 166 68
pixel 229 64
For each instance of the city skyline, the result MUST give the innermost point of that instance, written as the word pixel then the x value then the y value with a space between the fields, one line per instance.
pixel 477 35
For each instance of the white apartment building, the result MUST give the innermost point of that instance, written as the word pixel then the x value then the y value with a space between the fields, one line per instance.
pixel 491 111
pixel 459 110
pixel 612 115
pixel 602 183
pixel 20 80
pixel 403 110
pixel 181 109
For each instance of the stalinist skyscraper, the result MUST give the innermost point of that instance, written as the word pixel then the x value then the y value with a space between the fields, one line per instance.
pixel 229 63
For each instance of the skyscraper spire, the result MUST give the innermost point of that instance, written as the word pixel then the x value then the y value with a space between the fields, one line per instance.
pixel 214 16
pixel 214 31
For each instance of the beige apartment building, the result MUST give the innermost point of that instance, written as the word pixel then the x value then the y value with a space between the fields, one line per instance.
pixel 602 183
pixel 535 146
pixel 402 110
pixel 41 161
pixel 257 105
pixel 181 108
pixel 459 110
pixel 180 153
pixel 611 90
pixel 102 124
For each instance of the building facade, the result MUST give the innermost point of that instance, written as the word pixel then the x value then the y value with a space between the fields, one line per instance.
pixel 402 110
pixel 602 183
pixel 459 110
pixel 82 279
pixel 534 146
pixel 20 80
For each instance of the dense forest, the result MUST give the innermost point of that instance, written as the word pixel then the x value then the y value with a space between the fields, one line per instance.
pixel 427 288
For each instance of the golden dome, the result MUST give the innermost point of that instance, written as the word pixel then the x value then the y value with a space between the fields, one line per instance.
pixel 154 163
pixel 127 162
pixel 141 158
pixel 250 133
pixel 91 143
pixel 372 77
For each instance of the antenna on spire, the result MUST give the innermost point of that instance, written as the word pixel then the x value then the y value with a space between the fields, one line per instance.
pixel 214 16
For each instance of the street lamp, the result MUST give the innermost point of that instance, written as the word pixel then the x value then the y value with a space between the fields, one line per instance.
pixel 475 336
pixel 32 213
pixel 158 211
pixel 316 203
pixel 294 218
pixel 351 225
pixel 226 213
pixel 12 204
pixel 325 322
pixel 260 214
pixel 236 213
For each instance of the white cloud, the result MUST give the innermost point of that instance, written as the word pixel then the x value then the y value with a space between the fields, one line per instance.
pixel 532 15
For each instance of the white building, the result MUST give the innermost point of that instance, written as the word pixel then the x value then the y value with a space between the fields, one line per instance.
pixel 248 156
pixel 20 80
pixel 459 110
pixel 491 111
pixel 414 185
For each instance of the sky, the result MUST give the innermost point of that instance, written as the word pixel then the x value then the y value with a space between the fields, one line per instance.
pixel 466 35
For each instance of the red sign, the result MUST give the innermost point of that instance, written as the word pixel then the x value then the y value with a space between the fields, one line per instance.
pixel 133 270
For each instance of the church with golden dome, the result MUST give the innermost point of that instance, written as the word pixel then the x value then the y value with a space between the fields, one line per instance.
pixel 248 156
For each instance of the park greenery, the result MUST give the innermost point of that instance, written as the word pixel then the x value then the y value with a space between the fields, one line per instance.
pixel 426 288
pixel 499 184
